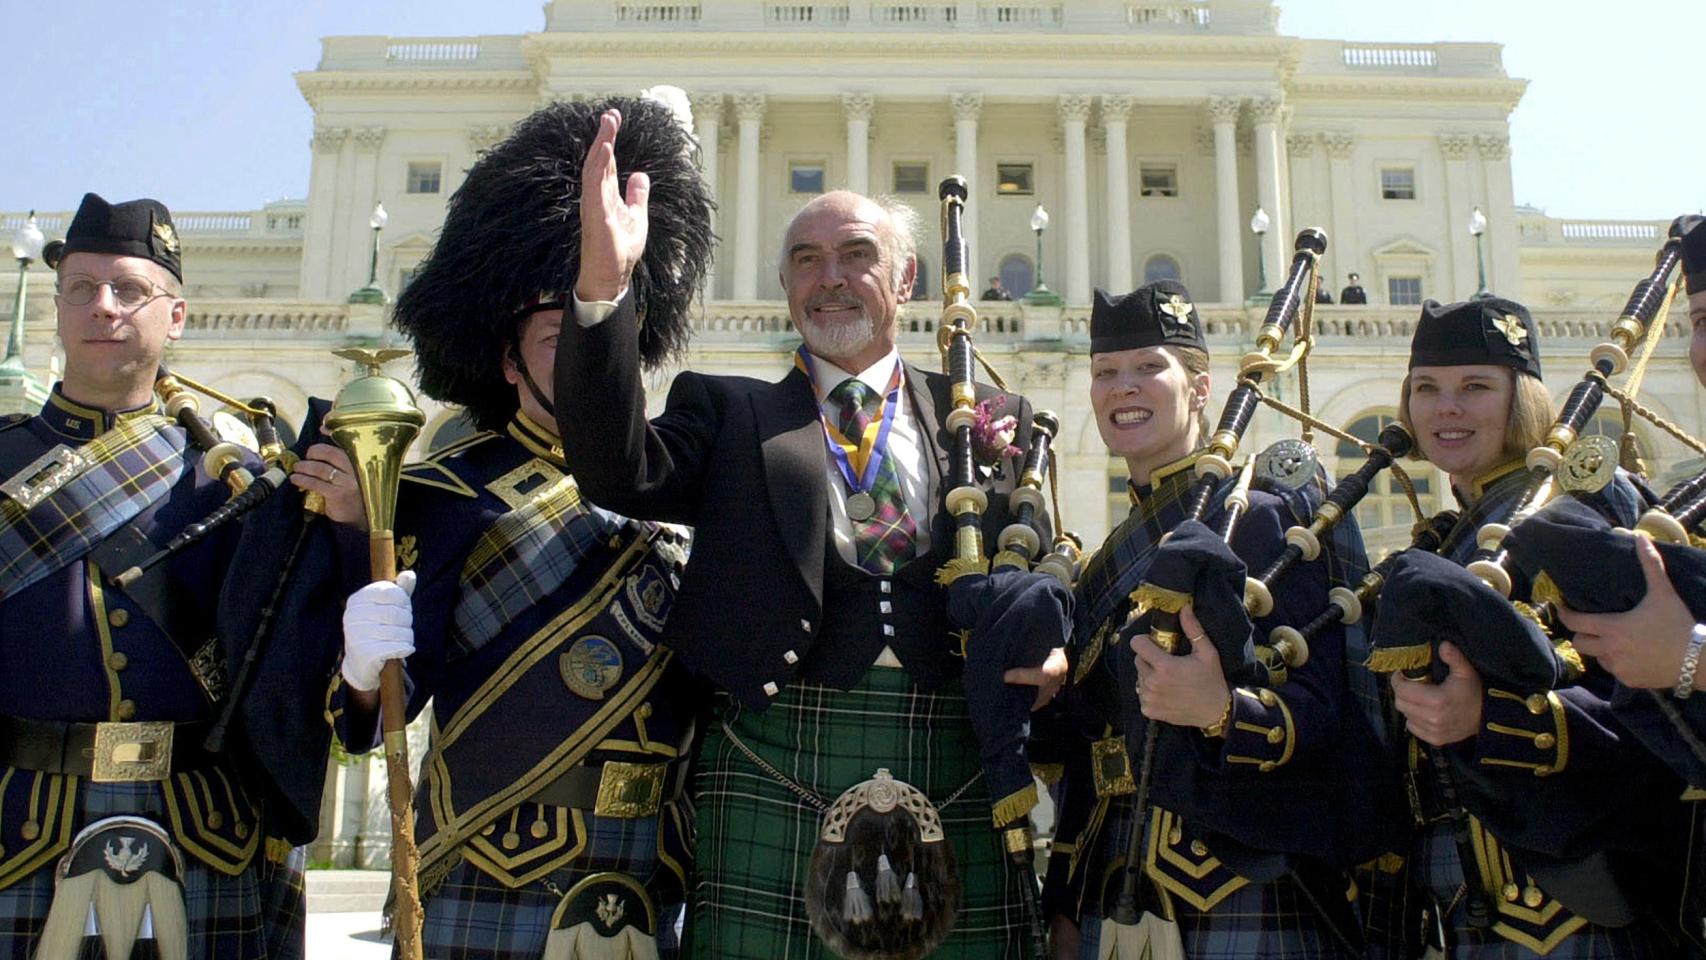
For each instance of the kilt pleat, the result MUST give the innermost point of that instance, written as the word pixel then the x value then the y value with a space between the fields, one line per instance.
pixel 756 836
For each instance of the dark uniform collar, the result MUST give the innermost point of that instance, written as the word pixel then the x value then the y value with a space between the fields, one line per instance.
pixel 1175 474
pixel 1479 486
pixel 74 421
pixel 539 441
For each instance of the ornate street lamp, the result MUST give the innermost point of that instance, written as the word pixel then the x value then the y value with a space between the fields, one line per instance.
pixel 1478 227
pixel 1040 295
pixel 26 249
pixel 1259 223
pixel 373 293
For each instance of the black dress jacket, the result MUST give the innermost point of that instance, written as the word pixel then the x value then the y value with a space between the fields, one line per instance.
pixel 742 461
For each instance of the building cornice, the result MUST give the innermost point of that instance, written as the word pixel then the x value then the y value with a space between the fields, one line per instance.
pixel 826 46
pixel 1503 92
pixel 315 83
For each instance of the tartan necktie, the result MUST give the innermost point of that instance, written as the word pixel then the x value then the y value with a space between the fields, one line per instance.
pixel 887 539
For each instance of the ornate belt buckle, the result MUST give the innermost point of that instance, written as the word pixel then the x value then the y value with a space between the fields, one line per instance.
pixel 1111 767
pixel 42 478
pixel 132 752
pixel 630 790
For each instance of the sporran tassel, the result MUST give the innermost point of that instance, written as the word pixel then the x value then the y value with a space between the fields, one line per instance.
pixel 888 885
pixel 911 903
pixel 855 905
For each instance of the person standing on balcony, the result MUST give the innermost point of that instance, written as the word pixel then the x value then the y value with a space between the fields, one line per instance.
pixel 1353 292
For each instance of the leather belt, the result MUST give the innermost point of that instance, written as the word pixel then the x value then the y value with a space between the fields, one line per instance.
pixel 103 752
pixel 615 788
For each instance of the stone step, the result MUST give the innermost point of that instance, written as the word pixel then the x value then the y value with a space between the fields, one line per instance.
pixel 347 891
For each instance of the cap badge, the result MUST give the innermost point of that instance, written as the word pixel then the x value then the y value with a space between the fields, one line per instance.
pixel 167 236
pixel 1511 326
pixel 1178 308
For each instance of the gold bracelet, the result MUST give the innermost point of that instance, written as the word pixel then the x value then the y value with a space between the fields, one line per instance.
pixel 1218 728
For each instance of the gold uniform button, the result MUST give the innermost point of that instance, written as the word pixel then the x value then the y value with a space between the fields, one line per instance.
pixel 126 709
pixel 489 829
pixel 117 660
pixel 1174 836
pixel 539 829
pixel 30 830
pixel 511 840
pixel 242 830
pixel 1199 849
pixel 1268 697
pixel 1267 766
pixel 1532 898
pixel 215 820
pixel 1537 704
pixel 119 617
pixel 1545 741
pixel 1510 893
pixel 1275 735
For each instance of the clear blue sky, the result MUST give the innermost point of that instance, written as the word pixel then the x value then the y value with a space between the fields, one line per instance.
pixel 194 103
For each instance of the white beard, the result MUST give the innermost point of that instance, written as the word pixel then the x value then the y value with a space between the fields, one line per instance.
pixel 838 341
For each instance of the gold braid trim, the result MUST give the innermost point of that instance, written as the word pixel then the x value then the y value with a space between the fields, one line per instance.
pixel 1572 658
pixel 1015 805
pixel 1394 659
pixel 1148 597
pixel 959 567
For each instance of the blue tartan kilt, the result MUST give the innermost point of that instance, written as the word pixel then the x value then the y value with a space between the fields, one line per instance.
pixel 1269 921
pixel 284 904
pixel 471 915
pixel 224 913
pixel 1439 875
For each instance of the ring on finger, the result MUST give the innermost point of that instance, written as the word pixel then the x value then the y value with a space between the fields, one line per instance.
pixel 333 476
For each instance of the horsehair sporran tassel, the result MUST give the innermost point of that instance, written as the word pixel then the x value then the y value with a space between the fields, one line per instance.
pixel 855 905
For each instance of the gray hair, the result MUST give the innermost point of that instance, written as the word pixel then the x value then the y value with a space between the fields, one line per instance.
pixel 900 242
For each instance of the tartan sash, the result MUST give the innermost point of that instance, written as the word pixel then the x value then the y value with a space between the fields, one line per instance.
pixel 524 557
pixel 130 467
pixel 1120 565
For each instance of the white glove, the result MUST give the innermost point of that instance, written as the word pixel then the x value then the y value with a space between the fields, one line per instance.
pixel 378 626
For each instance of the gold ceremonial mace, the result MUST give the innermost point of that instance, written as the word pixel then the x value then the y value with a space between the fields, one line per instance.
pixel 374 419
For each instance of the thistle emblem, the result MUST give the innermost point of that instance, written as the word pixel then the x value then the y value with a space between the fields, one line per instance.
pixel 125 861
pixel 167 236
pixel 1178 308
pixel 610 909
pixel 1511 326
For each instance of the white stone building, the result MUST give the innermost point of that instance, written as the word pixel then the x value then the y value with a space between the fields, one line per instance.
pixel 1151 130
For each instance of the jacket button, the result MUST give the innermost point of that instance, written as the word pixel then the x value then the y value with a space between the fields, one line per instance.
pixel 30 830
pixel 791 657
pixel 1275 735
pixel 117 660
pixel 888 629
pixel 1537 704
pixel 118 617
pixel 1510 892
pixel 771 689
pixel 885 607
pixel 242 830
pixel 806 625
pixel 1199 849
pixel 1545 741
pixel 215 819
pixel 126 709
pixel 885 586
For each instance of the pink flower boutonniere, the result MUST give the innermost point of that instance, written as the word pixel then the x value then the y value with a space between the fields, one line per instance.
pixel 992 436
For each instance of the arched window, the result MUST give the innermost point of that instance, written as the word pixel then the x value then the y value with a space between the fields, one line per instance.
pixel 1018 275
pixel 1384 514
pixel 1161 267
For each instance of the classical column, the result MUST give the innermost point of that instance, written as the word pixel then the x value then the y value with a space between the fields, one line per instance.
pixel 1305 194
pixel 320 233
pixel 1229 217
pixel 1265 117
pixel 857 108
pixel 1499 204
pixel 1460 272
pixel 749 110
pixel 1344 249
pixel 708 126
pixel 1114 112
pixel 359 235
pixel 966 108
pixel 1074 111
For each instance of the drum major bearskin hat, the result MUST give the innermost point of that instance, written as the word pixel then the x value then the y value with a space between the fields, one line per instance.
pixel 511 243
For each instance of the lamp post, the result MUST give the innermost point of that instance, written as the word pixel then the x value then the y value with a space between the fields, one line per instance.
pixel 26 248
pixel 373 293
pixel 1478 227
pixel 1259 223
pixel 1040 295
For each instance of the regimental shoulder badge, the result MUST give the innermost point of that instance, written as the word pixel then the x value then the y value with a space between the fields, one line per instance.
pixel 167 237
pixel 591 667
pixel 650 596
pixel 1178 311
pixel 1511 326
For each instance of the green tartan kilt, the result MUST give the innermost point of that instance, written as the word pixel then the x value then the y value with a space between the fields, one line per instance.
pixel 756 836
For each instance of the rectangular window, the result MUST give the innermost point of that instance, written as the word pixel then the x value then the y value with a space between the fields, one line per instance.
pixel 1398 183
pixel 1158 180
pixel 423 177
pixel 805 178
pixel 1014 179
pixel 910 177
pixel 1404 291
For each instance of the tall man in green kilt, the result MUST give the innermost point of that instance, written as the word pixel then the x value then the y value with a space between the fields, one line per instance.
pixel 810 599
pixel 551 818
